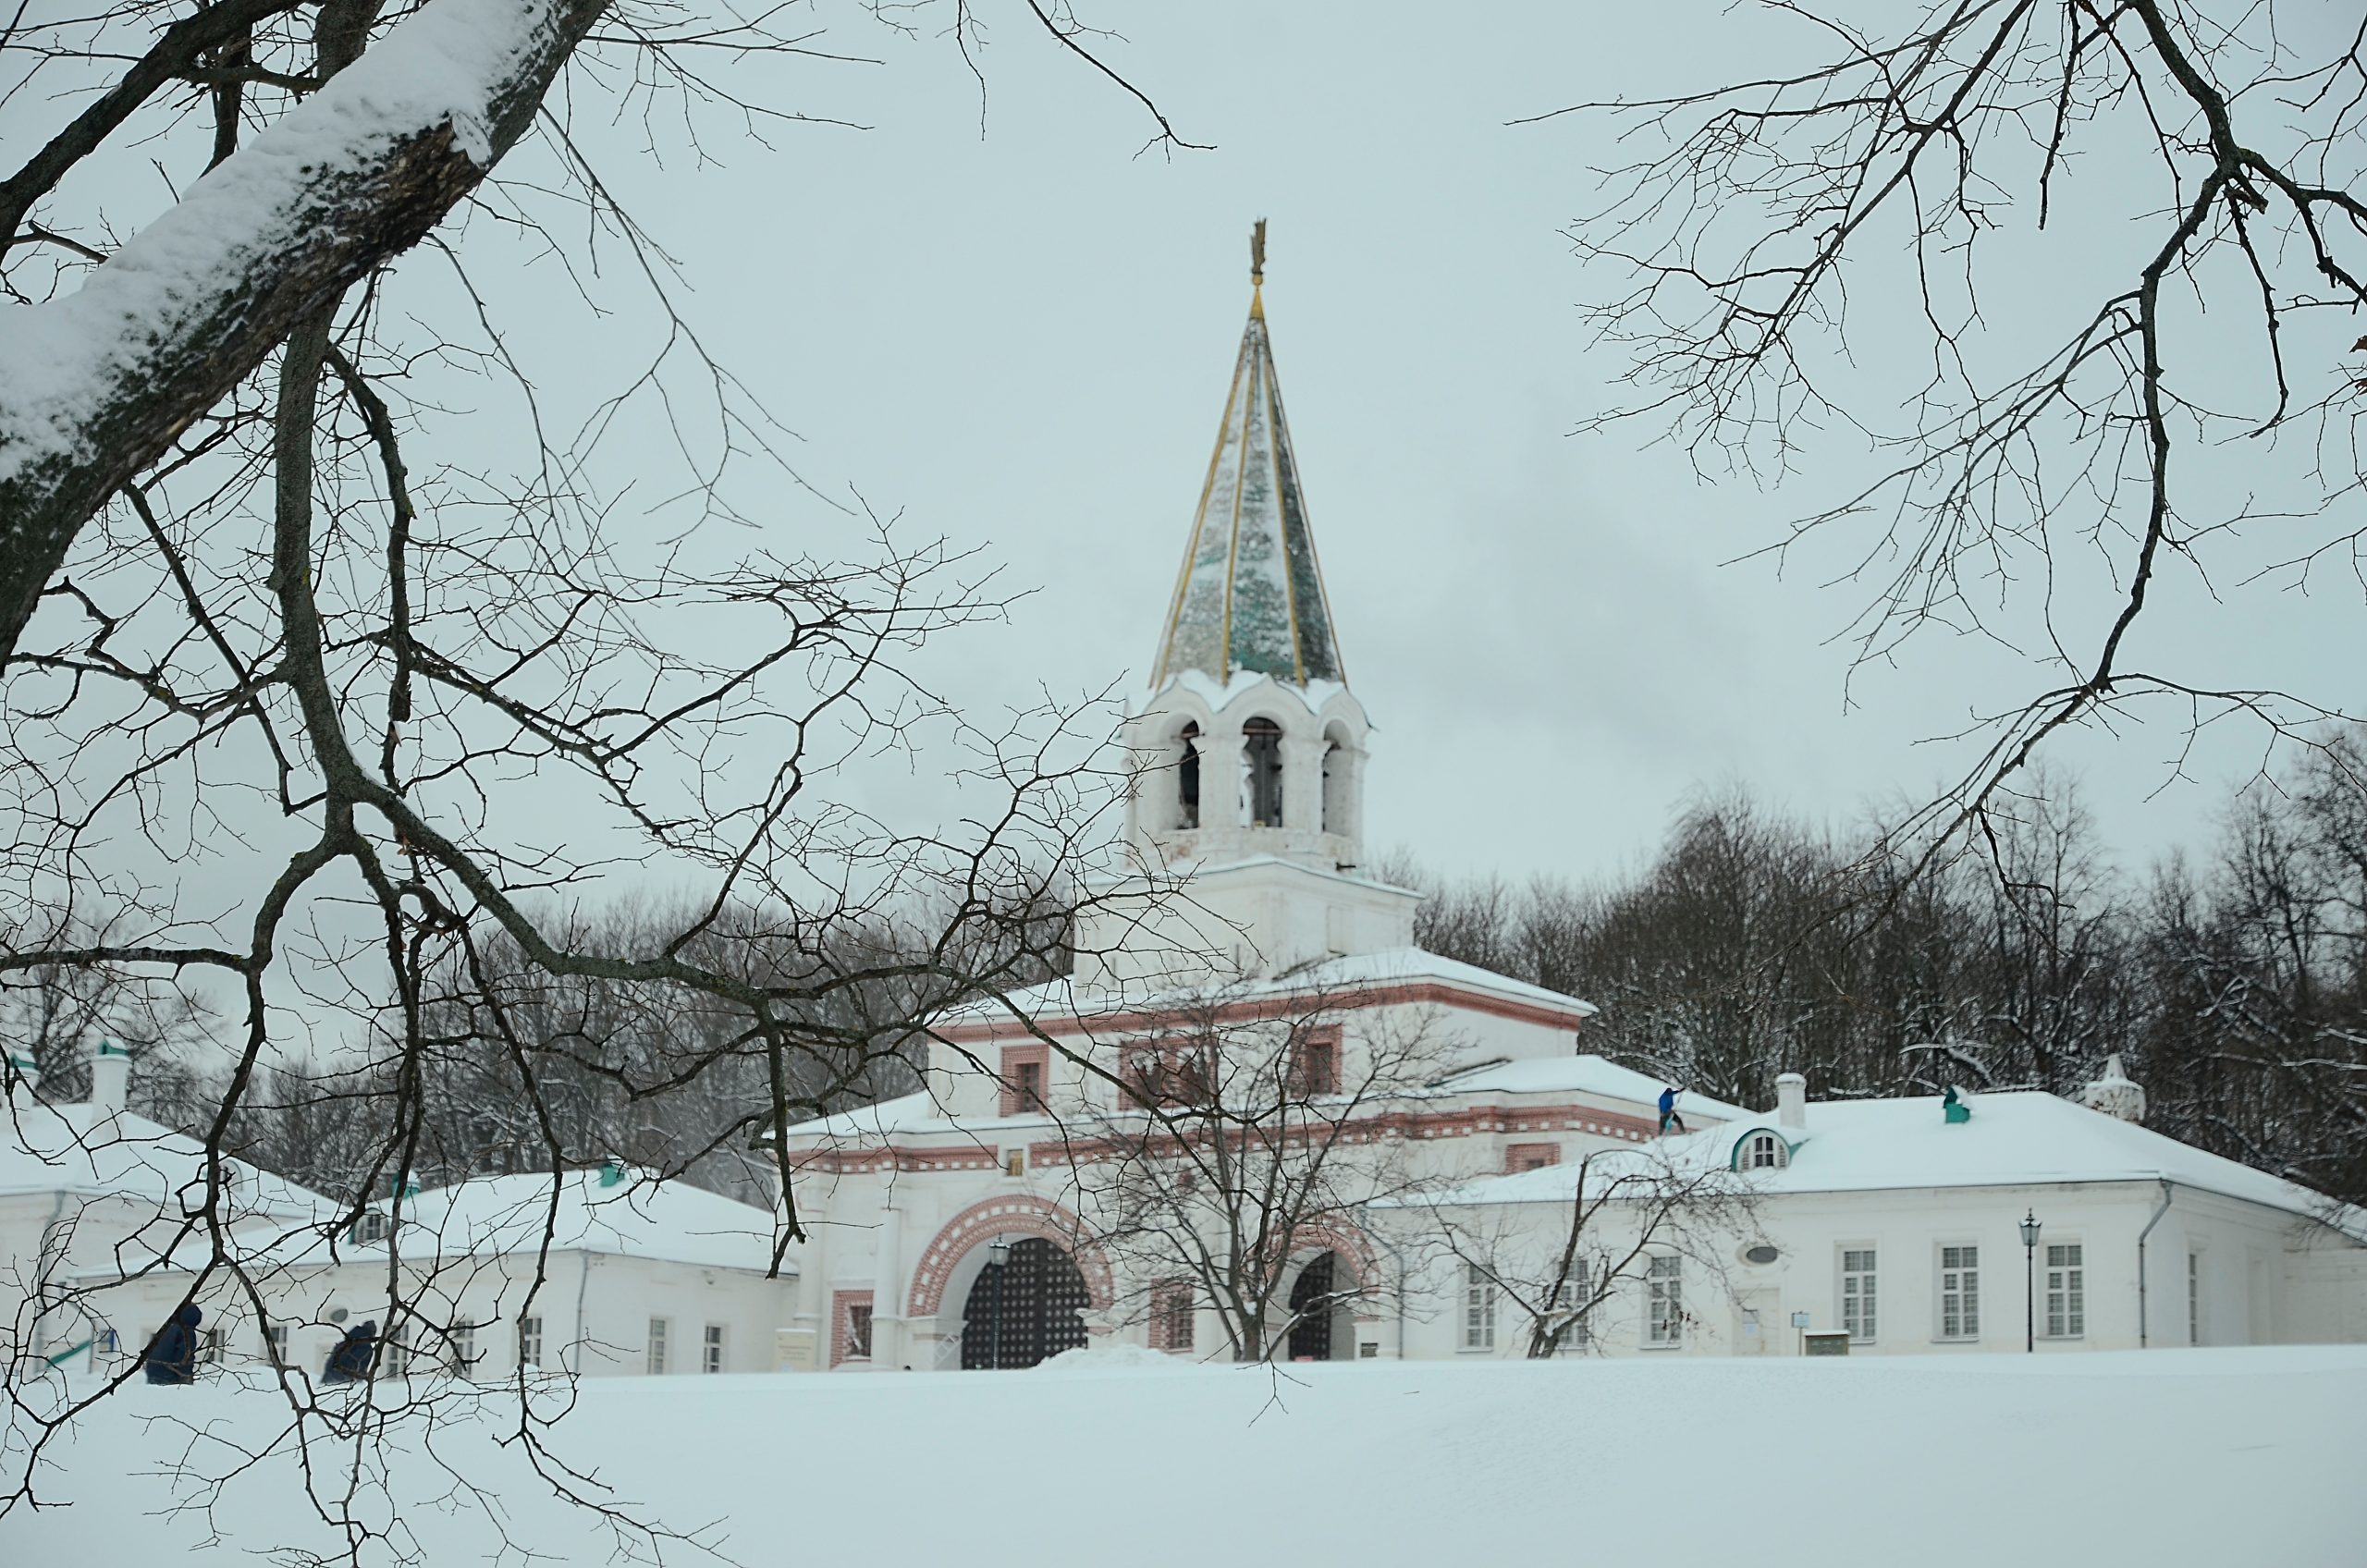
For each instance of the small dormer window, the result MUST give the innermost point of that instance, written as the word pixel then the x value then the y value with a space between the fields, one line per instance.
pixel 1765 1151
pixel 370 1228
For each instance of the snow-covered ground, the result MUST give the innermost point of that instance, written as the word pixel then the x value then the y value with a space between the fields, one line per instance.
pixel 2207 1458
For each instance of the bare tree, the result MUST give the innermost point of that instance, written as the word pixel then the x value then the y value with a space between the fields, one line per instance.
pixel 318 709
pixel 1234 1167
pixel 1936 163
pixel 1626 1209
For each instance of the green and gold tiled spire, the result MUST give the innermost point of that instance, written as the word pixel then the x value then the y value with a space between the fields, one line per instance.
pixel 1250 598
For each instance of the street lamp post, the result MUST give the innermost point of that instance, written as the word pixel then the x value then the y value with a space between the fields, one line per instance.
pixel 998 1255
pixel 2029 1281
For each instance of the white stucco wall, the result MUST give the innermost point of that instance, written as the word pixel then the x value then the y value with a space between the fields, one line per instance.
pixel 2264 1277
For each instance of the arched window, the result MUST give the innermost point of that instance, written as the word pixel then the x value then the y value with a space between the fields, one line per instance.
pixel 1765 1151
pixel 1188 779
pixel 1261 762
pixel 1339 796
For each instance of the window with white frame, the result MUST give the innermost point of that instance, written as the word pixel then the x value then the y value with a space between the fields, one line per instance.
pixel 1859 1308
pixel 211 1348
pixel 2067 1290
pixel 1959 1292
pixel 398 1351
pixel 1478 1308
pixel 462 1343
pixel 1664 1301
pixel 660 1329
pixel 1570 1307
pixel 1765 1151
pixel 371 1228
pixel 275 1343
pixel 711 1349
pixel 2194 1298
pixel 529 1342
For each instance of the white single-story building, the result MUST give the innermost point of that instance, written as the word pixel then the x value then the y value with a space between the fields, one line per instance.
pixel 1999 1222
pixel 92 1189
pixel 606 1272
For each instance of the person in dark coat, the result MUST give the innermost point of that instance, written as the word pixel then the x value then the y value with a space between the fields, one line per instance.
pixel 354 1355
pixel 1669 1117
pixel 171 1356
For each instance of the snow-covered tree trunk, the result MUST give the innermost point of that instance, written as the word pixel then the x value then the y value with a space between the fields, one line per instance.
pixel 94 386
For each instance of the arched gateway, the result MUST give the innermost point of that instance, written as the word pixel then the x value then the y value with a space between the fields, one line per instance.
pixel 1023 1307
pixel 1022 1276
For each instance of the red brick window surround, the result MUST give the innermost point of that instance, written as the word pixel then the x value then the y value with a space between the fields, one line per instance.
pixel 1026 1072
pixel 1315 1061
pixel 1171 1315
pixel 1531 1156
pixel 850 1326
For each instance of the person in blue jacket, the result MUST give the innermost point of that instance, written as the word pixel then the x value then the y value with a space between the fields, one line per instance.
pixel 354 1355
pixel 1669 1117
pixel 171 1356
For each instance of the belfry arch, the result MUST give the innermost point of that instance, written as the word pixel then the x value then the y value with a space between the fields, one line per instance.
pixel 1261 773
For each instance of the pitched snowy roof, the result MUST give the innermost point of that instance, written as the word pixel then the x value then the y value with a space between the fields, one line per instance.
pixel 87 1151
pixel 1584 1073
pixel 1348 971
pixel 905 1113
pixel 1250 597
pixel 2021 1138
pixel 637 1216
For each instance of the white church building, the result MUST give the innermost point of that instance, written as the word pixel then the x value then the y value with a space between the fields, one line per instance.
pixel 962 1226
pixel 998 1216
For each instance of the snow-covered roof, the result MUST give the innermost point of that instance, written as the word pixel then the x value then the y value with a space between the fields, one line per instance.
pixel 637 1216
pixel 89 1151
pixel 1586 1074
pixel 1390 966
pixel 2025 1138
pixel 905 1113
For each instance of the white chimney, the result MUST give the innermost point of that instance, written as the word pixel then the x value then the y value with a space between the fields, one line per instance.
pixel 1791 1102
pixel 2115 1094
pixel 110 1074
pixel 24 1075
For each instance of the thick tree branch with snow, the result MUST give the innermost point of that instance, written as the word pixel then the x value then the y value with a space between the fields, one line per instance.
pixel 101 381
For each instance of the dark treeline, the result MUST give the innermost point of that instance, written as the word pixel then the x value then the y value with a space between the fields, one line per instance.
pixel 2234 983
pixel 524 1072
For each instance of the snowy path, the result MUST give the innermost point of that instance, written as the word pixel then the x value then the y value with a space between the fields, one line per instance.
pixel 2201 1458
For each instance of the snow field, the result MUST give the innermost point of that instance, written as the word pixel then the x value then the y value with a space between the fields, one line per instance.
pixel 2204 1458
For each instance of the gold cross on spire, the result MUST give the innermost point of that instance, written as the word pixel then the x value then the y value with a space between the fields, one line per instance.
pixel 1257 269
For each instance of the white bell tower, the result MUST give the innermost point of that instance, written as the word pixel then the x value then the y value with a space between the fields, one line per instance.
pixel 1249 750
pixel 1250 742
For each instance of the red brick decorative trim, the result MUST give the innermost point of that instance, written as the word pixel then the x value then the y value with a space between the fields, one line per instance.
pixel 1280 1006
pixel 841 1317
pixel 1347 1248
pixel 1017 1214
pixel 1476 1122
pixel 1017 1098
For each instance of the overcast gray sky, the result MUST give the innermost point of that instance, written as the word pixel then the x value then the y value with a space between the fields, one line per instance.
pixel 1023 341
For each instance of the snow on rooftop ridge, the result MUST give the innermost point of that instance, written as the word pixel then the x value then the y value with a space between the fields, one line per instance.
pixel 1583 1072
pixel 2014 1138
pixel 89 1151
pixel 638 1216
pixel 1060 998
